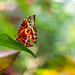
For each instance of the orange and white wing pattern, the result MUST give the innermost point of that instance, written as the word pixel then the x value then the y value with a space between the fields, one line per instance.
pixel 27 32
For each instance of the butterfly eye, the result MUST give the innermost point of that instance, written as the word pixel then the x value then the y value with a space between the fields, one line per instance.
pixel 27 31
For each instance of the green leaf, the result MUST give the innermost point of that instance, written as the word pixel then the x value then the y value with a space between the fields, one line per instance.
pixel 7 41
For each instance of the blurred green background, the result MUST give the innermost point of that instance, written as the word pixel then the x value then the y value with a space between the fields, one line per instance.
pixel 55 24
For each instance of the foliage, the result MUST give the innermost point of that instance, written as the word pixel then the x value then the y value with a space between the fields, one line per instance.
pixel 5 40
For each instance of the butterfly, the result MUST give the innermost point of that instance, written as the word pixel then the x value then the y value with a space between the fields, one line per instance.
pixel 27 32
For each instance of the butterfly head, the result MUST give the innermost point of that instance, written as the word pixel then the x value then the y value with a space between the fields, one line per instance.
pixel 16 37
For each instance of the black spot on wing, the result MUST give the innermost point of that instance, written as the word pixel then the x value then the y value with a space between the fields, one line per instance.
pixel 34 17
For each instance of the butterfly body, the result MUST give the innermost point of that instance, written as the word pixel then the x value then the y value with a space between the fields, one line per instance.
pixel 27 32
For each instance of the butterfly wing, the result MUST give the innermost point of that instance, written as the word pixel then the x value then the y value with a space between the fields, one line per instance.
pixel 27 32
